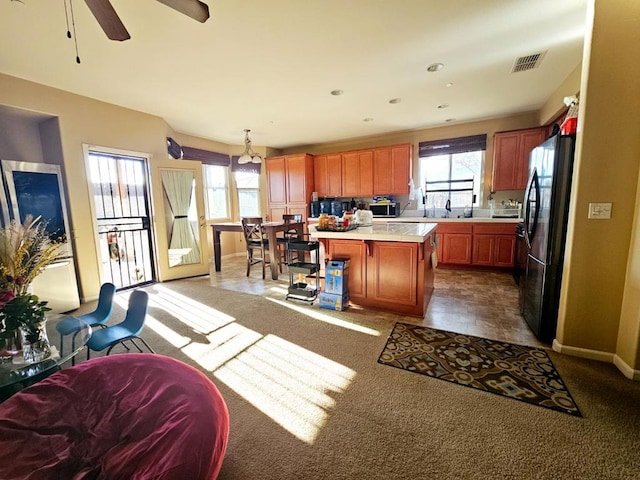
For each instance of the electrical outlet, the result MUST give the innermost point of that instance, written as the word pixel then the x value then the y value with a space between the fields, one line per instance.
pixel 600 210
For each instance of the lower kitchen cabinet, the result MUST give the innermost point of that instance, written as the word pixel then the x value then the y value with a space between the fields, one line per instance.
pixel 454 245
pixel 477 244
pixel 391 276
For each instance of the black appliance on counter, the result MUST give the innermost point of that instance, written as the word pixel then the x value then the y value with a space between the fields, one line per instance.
pixel 336 208
pixel 325 206
pixel 385 209
pixel 314 208
pixel 545 232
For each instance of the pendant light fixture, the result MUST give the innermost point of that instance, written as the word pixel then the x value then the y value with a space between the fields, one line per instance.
pixel 248 156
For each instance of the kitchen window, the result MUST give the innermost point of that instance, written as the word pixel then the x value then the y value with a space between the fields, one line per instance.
pixel 216 193
pixel 248 186
pixel 453 159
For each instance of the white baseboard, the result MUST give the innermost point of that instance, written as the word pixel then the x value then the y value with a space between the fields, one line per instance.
pixel 626 370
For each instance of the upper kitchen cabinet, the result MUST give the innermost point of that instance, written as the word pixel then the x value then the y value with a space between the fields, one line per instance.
pixel 327 175
pixel 289 184
pixel 357 173
pixel 392 170
pixel 511 157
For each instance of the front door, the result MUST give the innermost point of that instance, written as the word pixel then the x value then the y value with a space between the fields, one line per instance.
pixel 121 201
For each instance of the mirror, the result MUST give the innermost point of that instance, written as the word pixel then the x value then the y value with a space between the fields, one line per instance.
pixel 181 215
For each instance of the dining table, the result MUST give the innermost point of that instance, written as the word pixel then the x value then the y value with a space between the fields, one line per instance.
pixel 271 229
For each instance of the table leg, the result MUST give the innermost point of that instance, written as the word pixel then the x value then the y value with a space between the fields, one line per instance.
pixel 274 258
pixel 217 250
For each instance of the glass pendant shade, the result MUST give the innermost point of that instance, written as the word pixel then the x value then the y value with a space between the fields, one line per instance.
pixel 248 156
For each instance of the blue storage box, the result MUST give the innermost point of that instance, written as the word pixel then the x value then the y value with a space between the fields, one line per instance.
pixel 333 301
pixel 336 276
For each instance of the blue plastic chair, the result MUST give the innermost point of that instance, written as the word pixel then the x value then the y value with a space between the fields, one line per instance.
pixel 71 325
pixel 128 329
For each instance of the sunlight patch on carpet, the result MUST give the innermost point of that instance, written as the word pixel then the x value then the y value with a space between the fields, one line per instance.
pixel 290 384
pixel 293 386
pixel 514 371
pixel 324 317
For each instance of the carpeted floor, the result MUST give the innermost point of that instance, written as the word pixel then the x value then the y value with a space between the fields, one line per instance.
pixel 514 371
pixel 308 399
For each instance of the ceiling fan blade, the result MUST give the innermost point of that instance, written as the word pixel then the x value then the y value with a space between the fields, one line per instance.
pixel 108 19
pixel 192 8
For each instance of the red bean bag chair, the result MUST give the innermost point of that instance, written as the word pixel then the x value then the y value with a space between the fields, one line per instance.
pixel 126 416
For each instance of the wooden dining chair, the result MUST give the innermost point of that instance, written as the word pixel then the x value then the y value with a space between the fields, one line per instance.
pixel 257 244
pixel 288 235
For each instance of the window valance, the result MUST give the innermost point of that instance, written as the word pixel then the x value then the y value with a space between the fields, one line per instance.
pixel 453 145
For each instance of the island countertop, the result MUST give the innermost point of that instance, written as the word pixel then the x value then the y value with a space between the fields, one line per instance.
pixel 385 232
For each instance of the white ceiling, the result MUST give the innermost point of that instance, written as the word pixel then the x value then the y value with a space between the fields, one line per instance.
pixel 270 65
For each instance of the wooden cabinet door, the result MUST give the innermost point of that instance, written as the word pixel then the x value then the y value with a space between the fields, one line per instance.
pixel 357 174
pixel 350 172
pixel 505 158
pixel 357 253
pixel 365 167
pixel 504 251
pixel 528 141
pixel 382 172
pixel 296 168
pixel 401 169
pixel 276 180
pixel 457 249
pixel 393 272
pixel 274 213
pixel 483 249
pixel 327 174
pixel 334 175
pixel 511 157
pixel 300 209
pixel 320 175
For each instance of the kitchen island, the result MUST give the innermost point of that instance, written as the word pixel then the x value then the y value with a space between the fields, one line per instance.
pixel 390 264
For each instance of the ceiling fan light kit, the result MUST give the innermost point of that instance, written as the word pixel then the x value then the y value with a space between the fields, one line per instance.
pixel 248 156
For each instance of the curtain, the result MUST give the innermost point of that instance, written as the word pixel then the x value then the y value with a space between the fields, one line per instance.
pixel 178 188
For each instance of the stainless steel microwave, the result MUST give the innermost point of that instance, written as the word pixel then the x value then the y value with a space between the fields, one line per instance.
pixel 390 209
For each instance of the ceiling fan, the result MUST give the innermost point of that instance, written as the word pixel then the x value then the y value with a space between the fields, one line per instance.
pixel 114 28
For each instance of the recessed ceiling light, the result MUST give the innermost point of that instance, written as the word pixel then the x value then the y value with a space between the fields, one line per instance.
pixel 443 105
pixel 368 119
pixel 449 84
pixel 336 92
pixel 395 100
pixel 434 67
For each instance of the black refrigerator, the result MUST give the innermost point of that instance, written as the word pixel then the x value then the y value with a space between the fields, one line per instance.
pixel 545 228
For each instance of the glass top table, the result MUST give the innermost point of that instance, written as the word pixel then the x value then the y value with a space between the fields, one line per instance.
pixel 63 349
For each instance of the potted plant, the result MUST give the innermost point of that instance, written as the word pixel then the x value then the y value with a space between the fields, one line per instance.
pixel 25 251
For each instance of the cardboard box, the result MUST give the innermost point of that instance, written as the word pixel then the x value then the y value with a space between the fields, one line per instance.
pixel 336 275
pixel 333 301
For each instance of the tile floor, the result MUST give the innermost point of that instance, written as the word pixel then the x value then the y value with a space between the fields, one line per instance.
pixel 477 303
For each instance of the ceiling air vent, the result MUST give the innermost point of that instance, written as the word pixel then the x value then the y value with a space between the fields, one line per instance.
pixel 528 62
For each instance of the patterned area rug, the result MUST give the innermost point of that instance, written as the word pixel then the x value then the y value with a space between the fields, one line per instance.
pixel 514 371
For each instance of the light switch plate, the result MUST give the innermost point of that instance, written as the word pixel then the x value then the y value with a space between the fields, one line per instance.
pixel 600 210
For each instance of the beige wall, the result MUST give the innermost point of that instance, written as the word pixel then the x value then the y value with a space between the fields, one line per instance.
pixel 86 121
pixel 606 170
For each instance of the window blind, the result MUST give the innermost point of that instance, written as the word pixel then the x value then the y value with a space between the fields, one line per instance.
pixel 451 146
